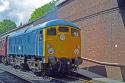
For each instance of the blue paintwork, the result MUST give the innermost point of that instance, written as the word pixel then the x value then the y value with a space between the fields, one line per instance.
pixel 58 22
pixel 26 41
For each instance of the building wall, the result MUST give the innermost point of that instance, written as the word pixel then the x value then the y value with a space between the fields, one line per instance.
pixel 103 35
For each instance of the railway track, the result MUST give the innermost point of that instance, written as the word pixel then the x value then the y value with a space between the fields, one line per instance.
pixel 6 77
pixel 73 78
pixel 11 75
pixel 79 77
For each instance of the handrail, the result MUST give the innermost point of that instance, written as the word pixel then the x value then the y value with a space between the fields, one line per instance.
pixel 103 63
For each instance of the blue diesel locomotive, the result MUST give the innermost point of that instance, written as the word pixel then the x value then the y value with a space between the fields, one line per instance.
pixel 51 47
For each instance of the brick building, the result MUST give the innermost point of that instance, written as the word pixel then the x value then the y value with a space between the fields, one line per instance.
pixel 103 32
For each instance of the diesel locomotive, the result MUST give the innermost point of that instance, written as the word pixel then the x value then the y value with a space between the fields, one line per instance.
pixel 50 47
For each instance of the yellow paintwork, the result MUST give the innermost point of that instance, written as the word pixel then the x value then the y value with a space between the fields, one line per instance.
pixel 62 48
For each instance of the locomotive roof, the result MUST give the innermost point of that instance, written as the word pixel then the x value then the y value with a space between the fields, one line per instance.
pixel 59 22
pixel 54 23
pixel 44 25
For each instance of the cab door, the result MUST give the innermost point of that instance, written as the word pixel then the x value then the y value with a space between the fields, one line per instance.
pixel 50 42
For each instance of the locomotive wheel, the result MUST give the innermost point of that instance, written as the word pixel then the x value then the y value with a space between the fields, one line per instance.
pixel 49 70
pixel 43 73
pixel 17 67
pixel 63 68
pixel 25 67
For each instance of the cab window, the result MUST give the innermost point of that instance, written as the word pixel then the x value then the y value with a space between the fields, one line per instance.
pixel 51 31
pixel 41 35
pixel 63 29
pixel 74 33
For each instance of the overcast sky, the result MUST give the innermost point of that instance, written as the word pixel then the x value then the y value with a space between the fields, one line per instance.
pixel 19 10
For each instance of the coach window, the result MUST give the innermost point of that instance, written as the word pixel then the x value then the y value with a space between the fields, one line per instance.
pixel 74 33
pixel 51 31
pixel 63 29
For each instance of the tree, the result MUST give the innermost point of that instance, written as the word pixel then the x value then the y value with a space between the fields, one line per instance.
pixel 39 12
pixel 6 25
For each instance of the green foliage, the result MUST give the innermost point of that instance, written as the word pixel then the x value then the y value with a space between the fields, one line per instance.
pixel 6 25
pixel 39 12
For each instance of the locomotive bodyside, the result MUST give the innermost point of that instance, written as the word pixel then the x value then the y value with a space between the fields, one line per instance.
pixel 26 44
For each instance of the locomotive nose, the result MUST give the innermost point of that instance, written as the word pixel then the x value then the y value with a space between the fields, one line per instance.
pixel 63 42
pixel 62 37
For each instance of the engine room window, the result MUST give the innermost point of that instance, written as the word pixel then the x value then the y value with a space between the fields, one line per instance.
pixel 74 32
pixel 51 31
pixel 63 29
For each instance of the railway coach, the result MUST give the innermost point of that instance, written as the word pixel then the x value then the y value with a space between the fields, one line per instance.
pixel 51 47
pixel 3 48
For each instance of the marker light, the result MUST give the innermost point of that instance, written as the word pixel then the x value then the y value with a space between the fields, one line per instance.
pixel 62 37
pixel 76 51
pixel 51 51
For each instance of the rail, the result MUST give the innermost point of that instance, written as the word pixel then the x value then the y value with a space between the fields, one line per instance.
pixel 103 63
